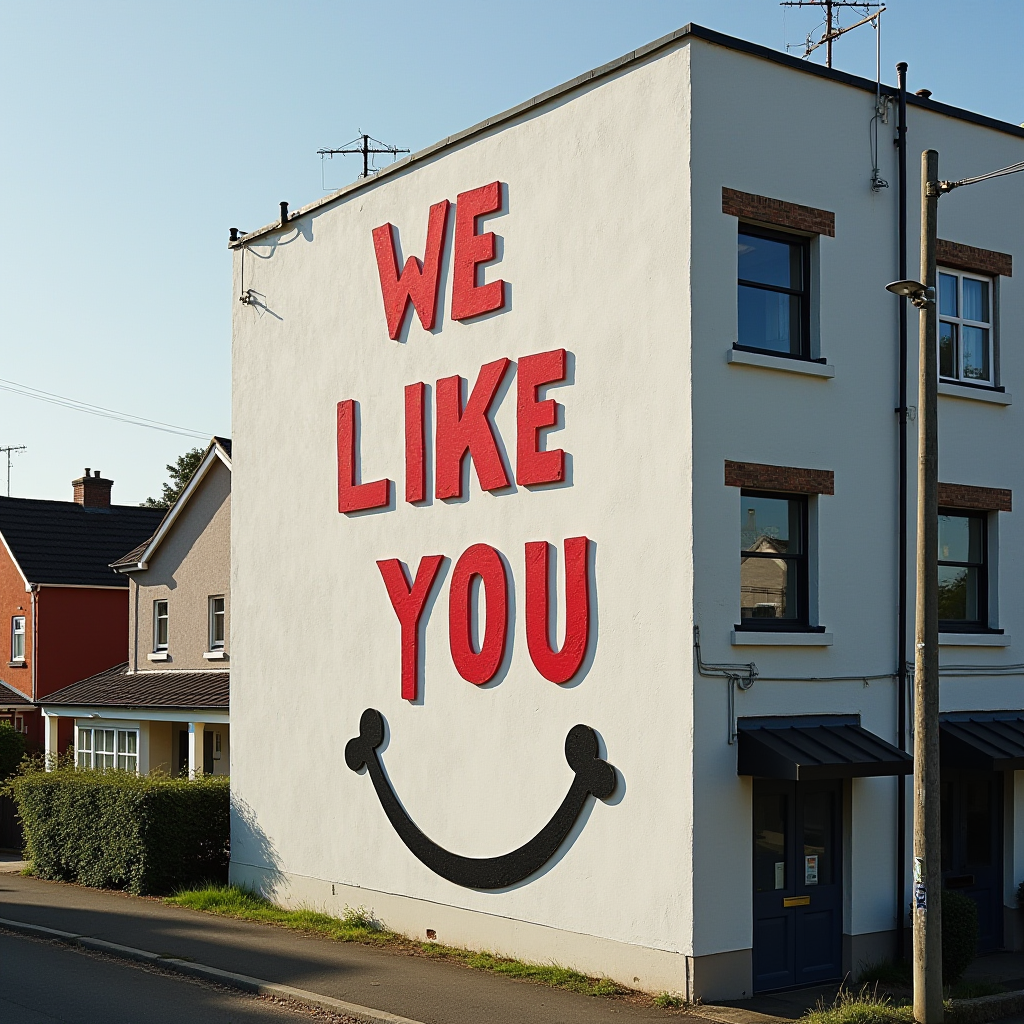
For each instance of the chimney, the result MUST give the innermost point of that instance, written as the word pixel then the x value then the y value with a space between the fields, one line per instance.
pixel 91 490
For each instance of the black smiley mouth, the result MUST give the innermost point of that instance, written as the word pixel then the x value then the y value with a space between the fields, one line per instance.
pixel 593 777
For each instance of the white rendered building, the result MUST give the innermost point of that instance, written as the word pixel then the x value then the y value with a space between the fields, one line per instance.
pixel 693 313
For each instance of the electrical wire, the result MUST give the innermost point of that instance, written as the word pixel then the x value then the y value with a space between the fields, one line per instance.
pixel 1012 169
pixel 98 410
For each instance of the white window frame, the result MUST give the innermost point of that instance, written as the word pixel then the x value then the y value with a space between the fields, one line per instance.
pixel 159 617
pixel 215 644
pixel 107 747
pixel 17 632
pixel 961 322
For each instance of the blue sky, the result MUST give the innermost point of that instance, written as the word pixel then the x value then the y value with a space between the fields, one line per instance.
pixel 135 134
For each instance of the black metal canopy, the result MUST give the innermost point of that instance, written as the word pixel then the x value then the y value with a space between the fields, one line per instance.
pixel 991 741
pixel 815 747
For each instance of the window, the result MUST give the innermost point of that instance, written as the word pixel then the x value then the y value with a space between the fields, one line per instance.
pixel 216 623
pixel 18 638
pixel 159 625
pixel 963 570
pixel 965 328
pixel 773 292
pixel 108 748
pixel 773 561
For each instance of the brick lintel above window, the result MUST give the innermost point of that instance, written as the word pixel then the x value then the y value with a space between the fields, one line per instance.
pixel 984 499
pixel 787 479
pixel 957 256
pixel 781 214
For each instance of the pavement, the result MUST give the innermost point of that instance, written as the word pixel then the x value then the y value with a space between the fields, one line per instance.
pixel 422 990
pixel 43 983
pixel 11 863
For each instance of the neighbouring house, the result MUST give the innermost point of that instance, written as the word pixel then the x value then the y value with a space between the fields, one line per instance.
pixel 165 708
pixel 65 609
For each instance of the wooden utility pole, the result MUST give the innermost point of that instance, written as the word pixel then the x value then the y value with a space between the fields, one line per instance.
pixel 927 849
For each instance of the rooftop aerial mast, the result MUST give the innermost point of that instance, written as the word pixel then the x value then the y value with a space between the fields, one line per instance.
pixel 832 29
pixel 365 144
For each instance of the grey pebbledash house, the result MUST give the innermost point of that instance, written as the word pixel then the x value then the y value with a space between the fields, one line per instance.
pixel 167 707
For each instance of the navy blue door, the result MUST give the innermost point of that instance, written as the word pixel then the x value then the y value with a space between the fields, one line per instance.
pixel 798 883
pixel 972 846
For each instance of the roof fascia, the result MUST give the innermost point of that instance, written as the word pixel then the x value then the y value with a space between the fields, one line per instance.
pixel 212 454
pixel 217 715
pixel 612 67
pixel 77 586
pixel 21 573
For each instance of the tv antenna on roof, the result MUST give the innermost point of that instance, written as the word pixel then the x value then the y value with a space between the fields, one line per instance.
pixel 870 12
pixel 365 144
pixel 9 451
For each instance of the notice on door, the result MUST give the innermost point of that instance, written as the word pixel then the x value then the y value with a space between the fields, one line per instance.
pixel 780 874
pixel 811 870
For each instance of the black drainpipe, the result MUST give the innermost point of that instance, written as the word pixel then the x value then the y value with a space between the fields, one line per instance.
pixel 901 613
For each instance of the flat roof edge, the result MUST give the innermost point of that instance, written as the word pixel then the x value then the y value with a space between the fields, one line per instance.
pixel 633 56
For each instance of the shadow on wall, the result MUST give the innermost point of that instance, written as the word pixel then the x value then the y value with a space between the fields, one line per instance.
pixel 251 847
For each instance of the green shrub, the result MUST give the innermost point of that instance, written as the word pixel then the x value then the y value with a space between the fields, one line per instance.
pixel 12 749
pixel 117 830
pixel 959 935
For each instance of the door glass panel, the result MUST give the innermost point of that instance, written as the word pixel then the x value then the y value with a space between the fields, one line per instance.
pixel 819 829
pixel 770 817
pixel 977 811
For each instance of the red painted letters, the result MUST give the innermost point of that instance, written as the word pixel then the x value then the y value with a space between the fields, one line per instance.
pixel 353 497
pixel 409 603
pixel 468 298
pixel 478 666
pixel 417 281
pixel 468 430
pixel 562 665
pixel 534 466
pixel 415 442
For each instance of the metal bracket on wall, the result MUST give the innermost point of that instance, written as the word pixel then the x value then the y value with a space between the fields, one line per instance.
pixel 739 674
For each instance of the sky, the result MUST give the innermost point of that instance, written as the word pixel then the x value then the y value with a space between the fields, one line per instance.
pixel 135 134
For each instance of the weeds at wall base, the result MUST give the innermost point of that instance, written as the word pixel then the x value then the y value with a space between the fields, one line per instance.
pixel 356 925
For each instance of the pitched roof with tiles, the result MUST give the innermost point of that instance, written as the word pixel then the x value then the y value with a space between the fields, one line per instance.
pixel 12 698
pixel 64 542
pixel 117 687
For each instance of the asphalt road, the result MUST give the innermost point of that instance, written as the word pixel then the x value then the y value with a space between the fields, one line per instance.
pixel 44 982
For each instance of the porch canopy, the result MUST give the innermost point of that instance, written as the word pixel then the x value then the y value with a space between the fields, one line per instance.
pixel 800 748
pixel 989 741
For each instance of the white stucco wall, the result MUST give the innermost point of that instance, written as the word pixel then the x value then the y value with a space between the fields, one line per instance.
pixel 315 640
pixel 602 246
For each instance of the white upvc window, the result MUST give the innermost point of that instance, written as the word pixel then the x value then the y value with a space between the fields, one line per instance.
pixel 18 638
pixel 160 625
pixel 108 748
pixel 217 623
pixel 966 342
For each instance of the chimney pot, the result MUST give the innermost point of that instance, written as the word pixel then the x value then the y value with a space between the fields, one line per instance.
pixel 91 490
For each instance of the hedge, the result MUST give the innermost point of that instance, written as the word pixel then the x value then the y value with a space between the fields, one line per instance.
pixel 959 935
pixel 117 830
pixel 12 749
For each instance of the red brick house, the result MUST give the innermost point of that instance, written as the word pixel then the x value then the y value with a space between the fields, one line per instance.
pixel 63 610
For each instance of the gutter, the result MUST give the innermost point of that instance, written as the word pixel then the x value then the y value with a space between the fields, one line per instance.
pixel 604 71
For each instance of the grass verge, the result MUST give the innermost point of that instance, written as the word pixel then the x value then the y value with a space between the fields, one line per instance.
pixel 359 926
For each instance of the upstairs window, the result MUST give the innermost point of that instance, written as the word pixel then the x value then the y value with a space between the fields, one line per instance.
pixel 963 570
pixel 216 623
pixel 965 328
pixel 160 623
pixel 18 638
pixel 774 292
pixel 773 561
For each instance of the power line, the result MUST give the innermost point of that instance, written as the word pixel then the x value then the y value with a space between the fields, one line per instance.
pixel 98 410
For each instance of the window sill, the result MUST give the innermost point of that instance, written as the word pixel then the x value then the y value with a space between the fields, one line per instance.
pixel 215 655
pixel 780 638
pixel 974 640
pixel 159 656
pixel 785 363
pixel 17 663
pixel 975 394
